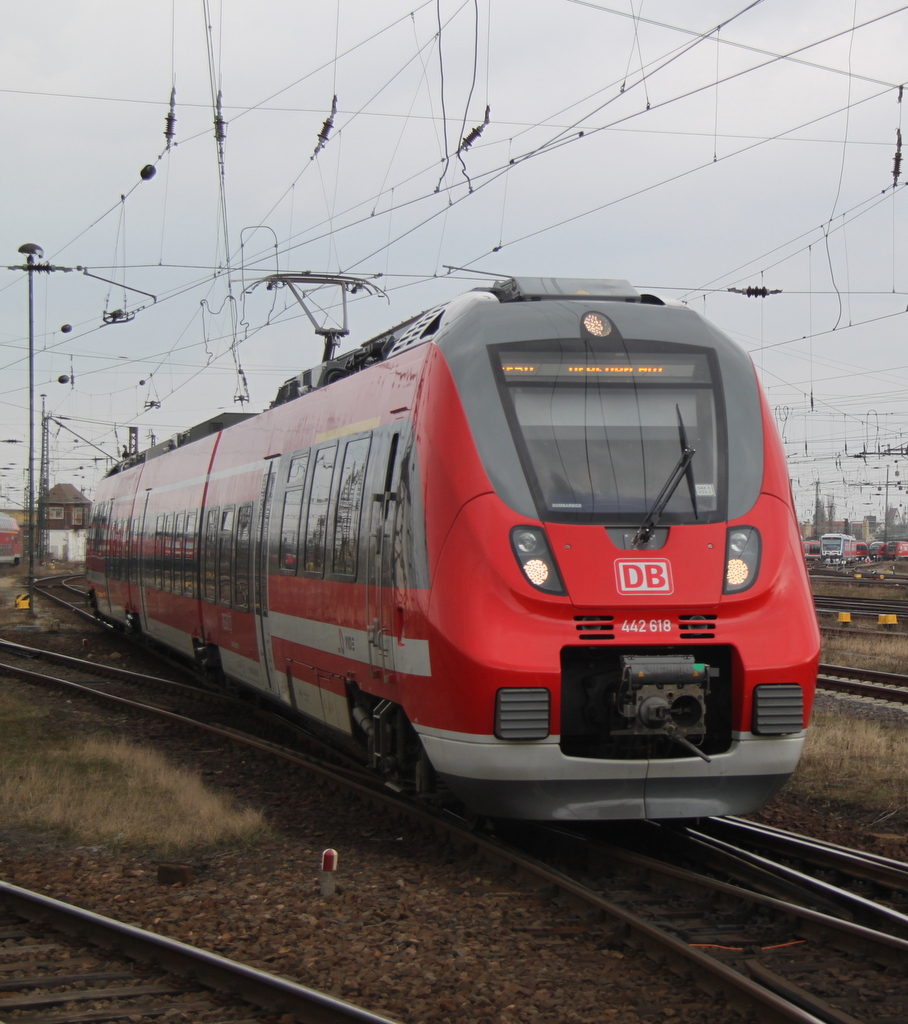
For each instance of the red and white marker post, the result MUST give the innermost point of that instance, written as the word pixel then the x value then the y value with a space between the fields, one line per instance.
pixel 329 866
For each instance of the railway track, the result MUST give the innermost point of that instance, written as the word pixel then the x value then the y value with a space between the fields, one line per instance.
pixel 640 919
pixel 861 605
pixel 784 929
pixel 890 686
pixel 863 571
pixel 60 964
pixel 755 928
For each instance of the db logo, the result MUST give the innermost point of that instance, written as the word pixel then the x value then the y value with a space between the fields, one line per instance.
pixel 652 576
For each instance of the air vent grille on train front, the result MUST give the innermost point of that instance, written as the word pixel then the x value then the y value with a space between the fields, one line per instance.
pixel 778 709
pixel 522 713
pixel 697 627
pixel 595 627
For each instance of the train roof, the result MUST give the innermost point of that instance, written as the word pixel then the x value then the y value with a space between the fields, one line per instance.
pixel 420 328
pixel 414 331
pixel 8 524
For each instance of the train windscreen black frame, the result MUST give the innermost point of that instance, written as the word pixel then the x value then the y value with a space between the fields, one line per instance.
pixel 600 429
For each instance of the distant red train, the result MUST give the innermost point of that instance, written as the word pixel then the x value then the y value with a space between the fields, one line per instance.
pixel 10 540
pixel 813 552
pixel 534 547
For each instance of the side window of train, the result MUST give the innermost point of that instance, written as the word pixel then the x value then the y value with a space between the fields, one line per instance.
pixel 349 506
pixel 168 553
pixel 114 551
pixel 225 555
pixel 317 519
pixel 159 553
pixel 243 556
pixel 178 552
pixel 92 536
pixel 392 513
pixel 95 530
pixel 135 550
pixel 113 568
pixel 292 513
pixel 209 555
pixel 104 529
pixel 190 554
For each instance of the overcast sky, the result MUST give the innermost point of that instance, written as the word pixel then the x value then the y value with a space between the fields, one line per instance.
pixel 686 147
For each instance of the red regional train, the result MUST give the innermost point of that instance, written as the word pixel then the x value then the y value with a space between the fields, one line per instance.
pixel 812 551
pixel 10 540
pixel 534 547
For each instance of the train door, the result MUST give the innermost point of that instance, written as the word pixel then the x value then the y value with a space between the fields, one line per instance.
pixel 133 566
pixel 380 579
pixel 260 579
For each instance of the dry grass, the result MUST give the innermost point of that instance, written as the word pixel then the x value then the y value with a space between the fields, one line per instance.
pixel 884 652
pixel 877 591
pixel 108 790
pixel 860 762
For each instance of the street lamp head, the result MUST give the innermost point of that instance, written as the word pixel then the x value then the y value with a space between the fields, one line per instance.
pixel 30 249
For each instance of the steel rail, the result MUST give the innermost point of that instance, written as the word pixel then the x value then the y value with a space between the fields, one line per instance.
pixel 865 675
pixel 41 587
pixel 861 605
pixel 847 935
pixel 810 924
pixel 883 871
pixel 210 969
pixel 857 689
pixel 858 907
pixel 107 670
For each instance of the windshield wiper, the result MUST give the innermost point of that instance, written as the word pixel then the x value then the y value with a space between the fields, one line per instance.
pixel 682 469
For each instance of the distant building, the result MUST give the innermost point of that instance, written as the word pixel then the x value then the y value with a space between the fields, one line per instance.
pixel 65 523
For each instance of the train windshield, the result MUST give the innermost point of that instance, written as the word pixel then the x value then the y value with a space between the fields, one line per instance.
pixel 600 432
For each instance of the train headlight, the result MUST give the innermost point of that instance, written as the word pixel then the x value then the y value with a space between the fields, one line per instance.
pixel 535 559
pixel 596 324
pixel 525 541
pixel 742 558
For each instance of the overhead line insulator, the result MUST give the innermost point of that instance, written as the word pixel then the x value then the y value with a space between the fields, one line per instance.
pixel 753 292
pixel 170 119
pixel 327 128
pixel 472 136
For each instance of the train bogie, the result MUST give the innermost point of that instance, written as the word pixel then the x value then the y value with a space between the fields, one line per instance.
pixel 534 548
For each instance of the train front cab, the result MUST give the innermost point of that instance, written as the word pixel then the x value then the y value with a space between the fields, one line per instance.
pixel 715 604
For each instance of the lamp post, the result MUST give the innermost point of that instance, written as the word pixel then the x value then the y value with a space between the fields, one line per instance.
pixel 32 254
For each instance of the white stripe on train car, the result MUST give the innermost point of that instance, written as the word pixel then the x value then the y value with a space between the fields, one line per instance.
pixel 408 655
